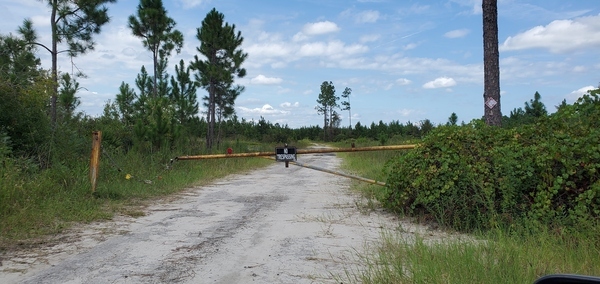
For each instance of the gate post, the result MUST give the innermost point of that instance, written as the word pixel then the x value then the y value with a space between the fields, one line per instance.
pixel 95 158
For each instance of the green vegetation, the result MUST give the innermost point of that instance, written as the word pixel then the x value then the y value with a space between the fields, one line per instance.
pixel 499 259
pixel 35 202
pixel 44 166
pixel 527 194
pixel 371 165
pixel 545 172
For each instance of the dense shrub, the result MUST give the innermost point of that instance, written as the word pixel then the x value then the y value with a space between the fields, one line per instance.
pixel 478 177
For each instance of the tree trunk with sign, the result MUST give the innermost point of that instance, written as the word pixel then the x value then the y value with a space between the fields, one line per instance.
pixel 491 67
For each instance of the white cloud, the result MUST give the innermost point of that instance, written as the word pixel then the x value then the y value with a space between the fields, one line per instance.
pixel 410 46
pixel 367 17
pixel 129 51
pixel 403 81
pixel 265 109
pixel 574 95
pixel 268 49
pixel 192 3
pixel 332 48
pixel 317 28
pixel 289 105
pixel 457 33
pixel 320 28
pixel 264 80
pixel 40 21
pixel 441 82
pixel 299 37
pixel 559 36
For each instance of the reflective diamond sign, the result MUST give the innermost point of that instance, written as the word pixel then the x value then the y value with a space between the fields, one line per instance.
pixel 491 103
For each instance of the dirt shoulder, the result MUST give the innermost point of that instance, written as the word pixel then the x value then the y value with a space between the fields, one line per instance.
pixel 273 225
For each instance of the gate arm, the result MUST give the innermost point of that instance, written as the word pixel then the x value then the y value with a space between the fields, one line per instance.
pixel 335 173
pixel 221 156
pixel 356 149
pixel 299 151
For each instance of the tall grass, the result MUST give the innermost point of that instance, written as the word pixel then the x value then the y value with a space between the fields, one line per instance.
pixel 35 203
pixel 369 165
pixel 500 258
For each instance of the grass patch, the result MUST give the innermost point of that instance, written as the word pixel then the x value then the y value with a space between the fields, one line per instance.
pixel 500 258
pixel 369 165
pixel 34 205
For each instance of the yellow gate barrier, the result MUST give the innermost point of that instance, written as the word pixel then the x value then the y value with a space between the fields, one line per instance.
pixel 307 151
pixel 299 151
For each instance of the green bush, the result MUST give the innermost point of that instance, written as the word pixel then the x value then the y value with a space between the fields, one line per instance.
pixel 479 177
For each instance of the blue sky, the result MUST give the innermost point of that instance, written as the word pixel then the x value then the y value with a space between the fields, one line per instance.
pixel 404 60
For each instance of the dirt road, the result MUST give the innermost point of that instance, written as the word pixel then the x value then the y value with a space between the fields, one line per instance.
pixel 274 225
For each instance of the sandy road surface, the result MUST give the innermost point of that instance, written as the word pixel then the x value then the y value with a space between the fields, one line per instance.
pixel 274 225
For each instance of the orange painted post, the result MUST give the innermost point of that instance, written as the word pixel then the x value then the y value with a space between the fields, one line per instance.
pixel 95 158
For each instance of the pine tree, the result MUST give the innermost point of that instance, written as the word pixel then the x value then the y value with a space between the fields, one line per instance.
pixel 220 46
pixel 346 104
pixel 158 34
pixel 183 94
pixel 23 97
pixel 125 104
pixel 453 119
pixel 68 101
pixel 535 108
pixel 327 103
pixel 73 22
pixel 18 63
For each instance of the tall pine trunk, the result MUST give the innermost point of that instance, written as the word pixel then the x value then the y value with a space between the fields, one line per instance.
pixel 155 79
pixel 54 54
pixel 220 122
pixel 325 124
pixel 491 67
pixel 211 117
